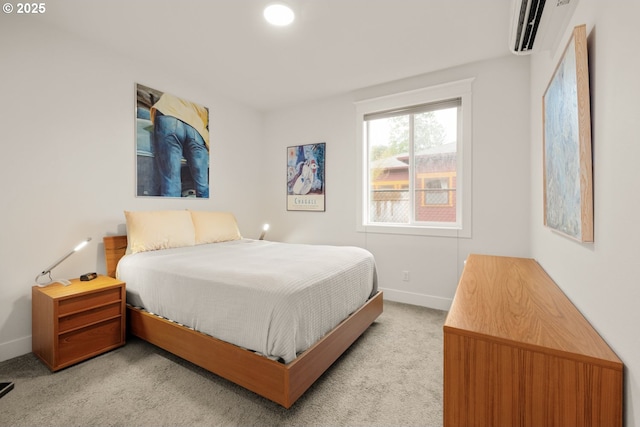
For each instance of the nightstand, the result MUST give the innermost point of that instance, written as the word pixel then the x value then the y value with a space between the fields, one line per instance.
pixel 73 323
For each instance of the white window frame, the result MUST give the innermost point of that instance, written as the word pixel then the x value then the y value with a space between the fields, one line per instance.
pixel 460 89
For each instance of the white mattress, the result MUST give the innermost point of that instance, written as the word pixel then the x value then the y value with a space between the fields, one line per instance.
pixel 277 299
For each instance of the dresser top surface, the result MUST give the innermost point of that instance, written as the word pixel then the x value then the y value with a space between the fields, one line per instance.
pixel 514 300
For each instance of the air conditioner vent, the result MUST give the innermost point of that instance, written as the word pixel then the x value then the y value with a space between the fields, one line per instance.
pixel 538 24
pixel 528 22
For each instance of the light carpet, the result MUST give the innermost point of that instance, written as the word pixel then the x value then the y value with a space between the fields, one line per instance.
pixel 391 376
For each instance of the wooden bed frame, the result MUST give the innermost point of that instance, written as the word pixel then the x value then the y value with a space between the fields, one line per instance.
pixel 279 382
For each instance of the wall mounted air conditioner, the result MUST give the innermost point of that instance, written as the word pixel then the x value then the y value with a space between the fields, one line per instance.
pixel 537 25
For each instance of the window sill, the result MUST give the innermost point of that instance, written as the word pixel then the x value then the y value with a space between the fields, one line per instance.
pixel 410 230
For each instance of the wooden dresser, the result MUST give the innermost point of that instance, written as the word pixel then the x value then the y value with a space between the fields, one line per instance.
pixel 517 352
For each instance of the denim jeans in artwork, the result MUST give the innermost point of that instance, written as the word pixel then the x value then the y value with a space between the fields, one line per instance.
pixel 174 140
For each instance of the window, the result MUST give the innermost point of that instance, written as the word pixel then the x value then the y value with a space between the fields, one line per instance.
pixel 437 192
pixel 415 149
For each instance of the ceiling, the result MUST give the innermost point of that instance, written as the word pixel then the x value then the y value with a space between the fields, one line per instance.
pixel 333 46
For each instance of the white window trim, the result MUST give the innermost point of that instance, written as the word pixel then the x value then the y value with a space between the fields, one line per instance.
pixel 460 89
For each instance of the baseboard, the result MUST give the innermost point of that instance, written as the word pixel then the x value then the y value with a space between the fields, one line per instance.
pixel 422 300
pixel 15 348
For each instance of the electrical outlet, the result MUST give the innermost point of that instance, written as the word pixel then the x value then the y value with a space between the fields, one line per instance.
pixel 405 276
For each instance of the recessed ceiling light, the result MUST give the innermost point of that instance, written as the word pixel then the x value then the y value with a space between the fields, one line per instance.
pixel 279 14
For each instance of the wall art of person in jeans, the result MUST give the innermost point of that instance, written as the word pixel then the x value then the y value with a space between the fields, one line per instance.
pixel 180 129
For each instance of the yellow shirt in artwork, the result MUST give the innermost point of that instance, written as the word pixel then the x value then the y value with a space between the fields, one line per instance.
pixel 191 113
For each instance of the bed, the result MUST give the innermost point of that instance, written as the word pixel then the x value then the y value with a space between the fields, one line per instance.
pixel 279 369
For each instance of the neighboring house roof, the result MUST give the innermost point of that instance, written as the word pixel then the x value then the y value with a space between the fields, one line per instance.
pixel 390 163
pixel 449 147
pixel 399 161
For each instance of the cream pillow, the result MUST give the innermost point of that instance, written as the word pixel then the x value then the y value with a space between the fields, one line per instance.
pixel 213 227
pixel 153 230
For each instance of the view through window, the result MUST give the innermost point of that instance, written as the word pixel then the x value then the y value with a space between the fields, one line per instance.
pixel 413 160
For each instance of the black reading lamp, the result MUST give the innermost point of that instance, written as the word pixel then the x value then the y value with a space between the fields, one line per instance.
pixel 47 271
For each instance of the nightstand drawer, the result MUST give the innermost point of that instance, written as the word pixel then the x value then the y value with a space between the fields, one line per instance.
pixel 89 341
pixel 83 318
pixel 94 299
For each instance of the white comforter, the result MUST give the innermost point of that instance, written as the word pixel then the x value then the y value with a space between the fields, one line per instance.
pixel 274 298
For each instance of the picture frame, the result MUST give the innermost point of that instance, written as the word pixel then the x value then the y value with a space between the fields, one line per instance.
pixel 172 145
pixel 567 158
pixel 306 177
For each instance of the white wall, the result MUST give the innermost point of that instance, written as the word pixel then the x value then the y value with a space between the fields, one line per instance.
pixel 601 278
pixel 68 172
pixel 500 181
pixel 67 135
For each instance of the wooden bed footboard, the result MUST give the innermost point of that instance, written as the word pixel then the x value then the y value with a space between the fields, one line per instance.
pixel 281 383
pixel 278 382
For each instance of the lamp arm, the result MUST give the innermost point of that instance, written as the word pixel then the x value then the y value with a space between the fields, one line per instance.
pixel 55 264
